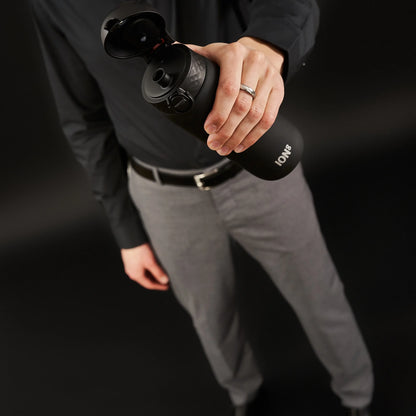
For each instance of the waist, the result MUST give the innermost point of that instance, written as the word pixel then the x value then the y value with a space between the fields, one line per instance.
pixel 203 178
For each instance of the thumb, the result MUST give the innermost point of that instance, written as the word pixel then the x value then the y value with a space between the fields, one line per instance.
pixel 195 48
pixel 206 51
pixel 158 273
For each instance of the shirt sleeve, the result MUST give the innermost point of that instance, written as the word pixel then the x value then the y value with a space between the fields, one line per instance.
pixel 89 130
pixel 290 25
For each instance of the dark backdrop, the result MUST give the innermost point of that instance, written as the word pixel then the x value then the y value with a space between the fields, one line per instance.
pixel 79 337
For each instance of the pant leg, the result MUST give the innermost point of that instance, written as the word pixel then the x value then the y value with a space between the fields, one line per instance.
pixel 276 223
pixel 193 246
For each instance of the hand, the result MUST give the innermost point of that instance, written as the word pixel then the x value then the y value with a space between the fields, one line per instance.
pixel 236 120
pixel 141 266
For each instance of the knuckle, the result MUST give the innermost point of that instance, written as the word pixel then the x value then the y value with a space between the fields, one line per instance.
pixel 223 136
pixel 243 104
pixel 256 57
pixel 230 144
pixel 278 90
pixel 267 120
pixel 218 119
pixel 236 142
pixel 236 48
pixel 271 72
pixel 229 87
pixel 255 113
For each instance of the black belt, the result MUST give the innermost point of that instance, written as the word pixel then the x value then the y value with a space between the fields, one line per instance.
pixel 203 181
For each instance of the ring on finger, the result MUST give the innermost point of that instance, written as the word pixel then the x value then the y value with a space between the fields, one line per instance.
pixel 247 89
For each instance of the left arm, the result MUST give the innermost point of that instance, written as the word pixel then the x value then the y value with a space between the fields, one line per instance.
pixel 279 35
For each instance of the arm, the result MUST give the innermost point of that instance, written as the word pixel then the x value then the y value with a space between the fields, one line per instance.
pixel 279 34
pixel 90 133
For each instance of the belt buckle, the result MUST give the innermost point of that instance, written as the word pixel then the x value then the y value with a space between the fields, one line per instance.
pixel 198 179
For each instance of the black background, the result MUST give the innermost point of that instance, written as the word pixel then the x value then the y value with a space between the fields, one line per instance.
pixel 77 337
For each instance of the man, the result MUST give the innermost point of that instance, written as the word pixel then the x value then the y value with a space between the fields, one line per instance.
pixel 171 233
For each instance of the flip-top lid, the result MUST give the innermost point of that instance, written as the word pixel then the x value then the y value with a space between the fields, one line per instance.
pixel 133 30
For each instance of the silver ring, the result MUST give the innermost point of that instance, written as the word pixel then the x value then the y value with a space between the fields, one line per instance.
pixel 248 89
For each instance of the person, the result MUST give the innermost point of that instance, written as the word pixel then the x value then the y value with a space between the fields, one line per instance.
pixel 173 234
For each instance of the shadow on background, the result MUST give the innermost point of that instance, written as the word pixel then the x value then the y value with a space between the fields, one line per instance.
pixel 79 338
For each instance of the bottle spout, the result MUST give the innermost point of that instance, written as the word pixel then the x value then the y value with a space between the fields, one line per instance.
pixel 161 77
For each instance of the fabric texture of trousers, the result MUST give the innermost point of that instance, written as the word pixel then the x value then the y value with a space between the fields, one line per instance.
pixel 275 222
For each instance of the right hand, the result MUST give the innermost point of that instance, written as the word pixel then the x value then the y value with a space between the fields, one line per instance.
pixel 141 266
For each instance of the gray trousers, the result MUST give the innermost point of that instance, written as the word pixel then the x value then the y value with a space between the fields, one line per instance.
pixel 274 222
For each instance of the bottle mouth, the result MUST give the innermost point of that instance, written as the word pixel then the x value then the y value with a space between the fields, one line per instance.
pixel 161 77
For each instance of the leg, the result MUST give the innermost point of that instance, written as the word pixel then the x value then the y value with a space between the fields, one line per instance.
pixel 276 223
pixel 193 246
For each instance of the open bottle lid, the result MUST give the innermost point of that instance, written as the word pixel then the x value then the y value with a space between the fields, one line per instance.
pixel 134 30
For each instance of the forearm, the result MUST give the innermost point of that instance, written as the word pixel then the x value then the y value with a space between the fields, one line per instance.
pixel 88 129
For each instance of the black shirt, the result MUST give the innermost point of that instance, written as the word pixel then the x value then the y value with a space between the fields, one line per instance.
pixel 98 98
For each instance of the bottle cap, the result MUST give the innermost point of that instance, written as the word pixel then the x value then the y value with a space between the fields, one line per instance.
pixel 134 30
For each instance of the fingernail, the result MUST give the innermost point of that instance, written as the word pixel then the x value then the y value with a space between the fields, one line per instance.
pixel 211 129
pixel 239 148
pixel 164 279
pixel 223 151
pixel 214 145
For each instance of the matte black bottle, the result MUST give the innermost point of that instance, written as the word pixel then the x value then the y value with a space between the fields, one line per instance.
pixel 182 85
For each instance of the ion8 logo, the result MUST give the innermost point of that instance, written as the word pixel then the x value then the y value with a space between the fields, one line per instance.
pixel 287 151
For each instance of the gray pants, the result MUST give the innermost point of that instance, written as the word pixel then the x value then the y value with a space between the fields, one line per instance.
pixel 274 222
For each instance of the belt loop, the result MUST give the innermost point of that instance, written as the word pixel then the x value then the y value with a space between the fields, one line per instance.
pixel 156 176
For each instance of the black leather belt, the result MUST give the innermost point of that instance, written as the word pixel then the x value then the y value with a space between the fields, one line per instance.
pixel 204 181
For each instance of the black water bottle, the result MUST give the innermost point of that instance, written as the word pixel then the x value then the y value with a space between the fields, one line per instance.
pixel 182 84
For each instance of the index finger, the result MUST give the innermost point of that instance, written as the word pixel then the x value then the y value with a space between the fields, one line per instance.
pixel 231 66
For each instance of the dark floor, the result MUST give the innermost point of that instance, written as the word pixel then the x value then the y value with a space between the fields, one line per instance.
pixel 83 339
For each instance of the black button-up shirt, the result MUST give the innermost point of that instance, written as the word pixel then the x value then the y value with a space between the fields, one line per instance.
pixel 99 103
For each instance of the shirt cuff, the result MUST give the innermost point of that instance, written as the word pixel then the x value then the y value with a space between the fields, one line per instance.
pixel 129 232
